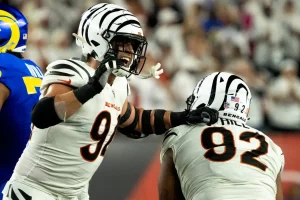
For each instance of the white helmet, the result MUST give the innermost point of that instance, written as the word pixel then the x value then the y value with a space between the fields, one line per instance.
pixel 103 23
pixel 224 92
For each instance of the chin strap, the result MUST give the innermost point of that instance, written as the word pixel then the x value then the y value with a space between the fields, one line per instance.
pixel 153 72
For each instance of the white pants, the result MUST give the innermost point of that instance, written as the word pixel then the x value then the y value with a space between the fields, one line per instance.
pixel 15 190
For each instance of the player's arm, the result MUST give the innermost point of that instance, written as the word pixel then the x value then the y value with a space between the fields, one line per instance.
pixel 4 94
pixel 61 101
pixel 137 122
pixel 169 187
pixel 279 194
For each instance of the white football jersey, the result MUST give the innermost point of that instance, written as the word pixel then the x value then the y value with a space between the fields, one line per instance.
pixel 225 161
pixel 63 158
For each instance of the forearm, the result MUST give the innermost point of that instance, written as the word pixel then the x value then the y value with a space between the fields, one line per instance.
pixel 134 121
pixel 159 121
pixel 149 122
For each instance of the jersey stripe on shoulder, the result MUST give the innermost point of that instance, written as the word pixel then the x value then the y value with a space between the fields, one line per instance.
pixel 65 66
pixel 77 64
pixel 56 73
pixel 169 134
pixel 71 72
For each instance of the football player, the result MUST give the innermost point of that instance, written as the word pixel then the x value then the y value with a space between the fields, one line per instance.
pixel 227 160
pixel 20 80
pixel 83 103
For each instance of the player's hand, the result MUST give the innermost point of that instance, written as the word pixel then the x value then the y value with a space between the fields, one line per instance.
pixel 205 115
pixel 106 66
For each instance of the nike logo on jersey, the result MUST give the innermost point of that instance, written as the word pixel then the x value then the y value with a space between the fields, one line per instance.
pixel 66 81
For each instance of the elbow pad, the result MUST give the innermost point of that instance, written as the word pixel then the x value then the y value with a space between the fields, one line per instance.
pixel 43 115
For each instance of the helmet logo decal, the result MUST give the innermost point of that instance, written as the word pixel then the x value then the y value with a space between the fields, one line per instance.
pixel 15 31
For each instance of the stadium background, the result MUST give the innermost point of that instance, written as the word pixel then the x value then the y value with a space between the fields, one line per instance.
pixel 256 39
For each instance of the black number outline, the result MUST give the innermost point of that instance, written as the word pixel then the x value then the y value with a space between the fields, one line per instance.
pixel 236 106
pixel 206 143
pixel 248 157
pixel 243 108
pixel 94 134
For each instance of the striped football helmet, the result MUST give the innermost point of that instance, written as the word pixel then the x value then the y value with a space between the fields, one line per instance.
pixel 224 92
pixel 103 24
pixel 13 30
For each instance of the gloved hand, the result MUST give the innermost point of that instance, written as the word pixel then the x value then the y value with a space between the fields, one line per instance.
pixel 106 66
pixel 205 115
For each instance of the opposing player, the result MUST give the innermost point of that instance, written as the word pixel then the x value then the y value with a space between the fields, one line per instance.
pixel 82 105
pixel 20 80
pixel 228 160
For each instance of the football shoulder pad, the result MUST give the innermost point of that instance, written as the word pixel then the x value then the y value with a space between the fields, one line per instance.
pixel 172 137
pixel 70 72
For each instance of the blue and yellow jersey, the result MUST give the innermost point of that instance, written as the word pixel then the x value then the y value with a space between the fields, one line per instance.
pixel 23 78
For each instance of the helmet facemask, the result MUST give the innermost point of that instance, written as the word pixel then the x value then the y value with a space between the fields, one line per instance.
pixel 130 49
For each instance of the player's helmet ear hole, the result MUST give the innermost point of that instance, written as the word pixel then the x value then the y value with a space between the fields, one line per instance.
pixel 95 43
pixel 201 105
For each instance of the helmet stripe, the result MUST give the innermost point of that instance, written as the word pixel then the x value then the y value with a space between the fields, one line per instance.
pixel 107 13
pixel 213 90
pixel 112 21
pixel 88 17
pixel 131 22
pixel 241 85
pixel 230 80
pixel 198 87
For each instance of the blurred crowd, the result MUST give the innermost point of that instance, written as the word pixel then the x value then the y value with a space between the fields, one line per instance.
pixel 258 40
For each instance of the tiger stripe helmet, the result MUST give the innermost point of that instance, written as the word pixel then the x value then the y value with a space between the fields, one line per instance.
pixel 101 23
pixel 225 92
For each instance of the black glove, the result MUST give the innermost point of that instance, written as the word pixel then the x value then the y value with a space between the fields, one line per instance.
pixel 202 115
pixel 97 82
pixel 106 66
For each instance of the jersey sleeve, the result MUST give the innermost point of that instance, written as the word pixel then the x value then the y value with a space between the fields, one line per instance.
pixel 68 72
pixel 280 156
pixel 170 139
